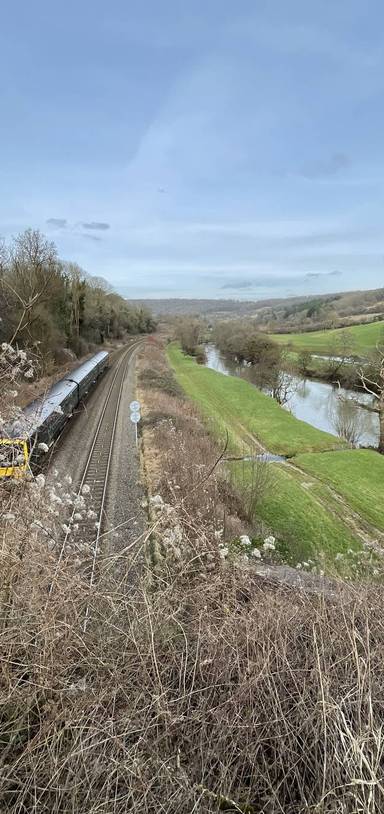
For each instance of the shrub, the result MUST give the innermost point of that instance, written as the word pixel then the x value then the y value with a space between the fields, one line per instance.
pixel 163 380
pixel 202 692
pixel 200 355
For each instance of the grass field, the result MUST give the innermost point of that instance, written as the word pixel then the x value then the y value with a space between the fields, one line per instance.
pixel 301 505
pixel 318 366
pixel 234 405
pixel 356 474
pixel 363 337
pixel 304 527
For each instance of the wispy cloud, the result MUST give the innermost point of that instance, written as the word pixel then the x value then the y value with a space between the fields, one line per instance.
pixel 263 280
pixel 323 274
pixel 96 225
pixel 92 226
pixel 238 284
pixel 91 237
pixel 58 223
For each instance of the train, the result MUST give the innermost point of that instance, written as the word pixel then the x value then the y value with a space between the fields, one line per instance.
pixel 41 422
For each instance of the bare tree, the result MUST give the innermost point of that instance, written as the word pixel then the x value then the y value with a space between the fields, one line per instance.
pixel 341 350
pixel 31 267
pixel 374 384
pixel 304 361
pixel 188 333
pixel 77 284
pixel 284 383
pixel 257 485
pixel 347 420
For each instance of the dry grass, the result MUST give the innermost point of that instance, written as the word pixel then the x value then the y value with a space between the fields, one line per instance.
pixel 201 690
pixel 207 692
pixel 164 381
pixel 180 457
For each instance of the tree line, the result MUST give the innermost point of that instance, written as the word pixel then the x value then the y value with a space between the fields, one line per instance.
pixel 190 332
pixel 241 342
pixel 49 305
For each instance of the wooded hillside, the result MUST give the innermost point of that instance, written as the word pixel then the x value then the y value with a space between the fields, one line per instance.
pixel 50 305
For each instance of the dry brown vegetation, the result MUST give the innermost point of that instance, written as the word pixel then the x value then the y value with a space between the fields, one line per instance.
pixel 202 692
pixel 182 460
pixel 195 689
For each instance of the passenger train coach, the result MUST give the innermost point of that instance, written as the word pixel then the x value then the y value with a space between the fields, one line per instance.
pixel 42 421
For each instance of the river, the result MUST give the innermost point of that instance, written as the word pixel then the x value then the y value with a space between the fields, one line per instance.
pixel 318 403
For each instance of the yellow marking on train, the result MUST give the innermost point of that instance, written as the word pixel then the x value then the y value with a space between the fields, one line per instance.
pixel 10 449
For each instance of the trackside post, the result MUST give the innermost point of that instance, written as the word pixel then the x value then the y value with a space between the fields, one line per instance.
pixel 135 416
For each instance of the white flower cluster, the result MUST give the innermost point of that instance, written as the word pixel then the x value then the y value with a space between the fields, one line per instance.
pixel 248 550
pixel 269 543
pixel 309 565
pixel 171 539
pixel 157 503
pixel 14 362
pixel 53 512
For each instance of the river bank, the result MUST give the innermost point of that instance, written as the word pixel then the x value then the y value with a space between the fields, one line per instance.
pixel 323 519
pixel 319 403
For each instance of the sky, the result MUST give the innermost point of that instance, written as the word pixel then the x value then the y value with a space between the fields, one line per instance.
pixel 204 149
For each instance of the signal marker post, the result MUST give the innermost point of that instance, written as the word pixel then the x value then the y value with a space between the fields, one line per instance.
pixel 135 416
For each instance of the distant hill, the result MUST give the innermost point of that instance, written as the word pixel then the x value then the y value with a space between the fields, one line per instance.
pixel 179 307
pixel 286 314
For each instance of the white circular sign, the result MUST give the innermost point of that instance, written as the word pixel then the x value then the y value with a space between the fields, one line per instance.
pixel 135 417
pixel 134 406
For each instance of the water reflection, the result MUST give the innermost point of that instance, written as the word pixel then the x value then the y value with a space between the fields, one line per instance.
pixel 321 404
pixel 216 361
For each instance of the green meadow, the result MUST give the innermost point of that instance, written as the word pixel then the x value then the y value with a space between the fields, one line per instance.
pixel 363 339
pixel 234 405
pixel 309 498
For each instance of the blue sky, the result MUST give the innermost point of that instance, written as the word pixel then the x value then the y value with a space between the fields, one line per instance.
pixel 205 149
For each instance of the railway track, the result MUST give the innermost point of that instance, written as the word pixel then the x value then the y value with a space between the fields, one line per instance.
pixel 94 480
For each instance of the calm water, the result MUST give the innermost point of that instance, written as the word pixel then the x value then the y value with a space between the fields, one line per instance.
pixel 317 403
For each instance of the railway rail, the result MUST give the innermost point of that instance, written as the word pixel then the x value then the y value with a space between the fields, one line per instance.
pixel 96 472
